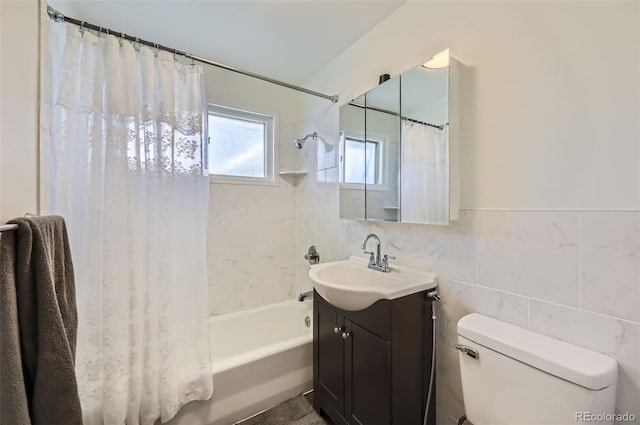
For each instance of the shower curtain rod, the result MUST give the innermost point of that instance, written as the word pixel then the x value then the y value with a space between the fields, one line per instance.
pixel 384 111
pixel 56 16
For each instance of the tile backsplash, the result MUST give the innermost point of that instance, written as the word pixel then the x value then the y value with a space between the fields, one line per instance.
pixel 610 264
pixel 529 253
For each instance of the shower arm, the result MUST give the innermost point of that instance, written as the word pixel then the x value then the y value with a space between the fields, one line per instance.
pixel 313 135
pixel 298 142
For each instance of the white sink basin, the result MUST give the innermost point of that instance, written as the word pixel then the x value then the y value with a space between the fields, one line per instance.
pixel 350 285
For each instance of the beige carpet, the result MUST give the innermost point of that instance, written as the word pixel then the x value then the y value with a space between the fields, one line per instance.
pixel 295 411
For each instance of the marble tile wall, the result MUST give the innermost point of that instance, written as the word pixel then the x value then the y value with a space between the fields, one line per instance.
pixel 572 275
pixel 252 238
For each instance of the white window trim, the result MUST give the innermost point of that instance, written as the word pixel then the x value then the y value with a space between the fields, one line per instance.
pixel 270 144
pixel 383 146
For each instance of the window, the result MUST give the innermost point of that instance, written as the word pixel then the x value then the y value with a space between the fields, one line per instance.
pixel 361 161
pixel 240 146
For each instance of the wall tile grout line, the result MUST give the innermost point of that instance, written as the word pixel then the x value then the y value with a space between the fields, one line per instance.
pixel 541 300
pixel 614 210
pixel 580 230
pixel 476 241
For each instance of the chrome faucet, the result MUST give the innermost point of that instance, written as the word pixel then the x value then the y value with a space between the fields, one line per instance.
pixel 376 261
pixel 305 296
pixel 364 246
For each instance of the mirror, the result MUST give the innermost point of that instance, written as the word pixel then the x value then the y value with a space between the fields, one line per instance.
pixel 398 159
pixel 425 159
pixel 383 149
pixel 369 153
pixel 352 188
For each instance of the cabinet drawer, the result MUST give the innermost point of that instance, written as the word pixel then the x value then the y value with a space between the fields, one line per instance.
pixel 376 318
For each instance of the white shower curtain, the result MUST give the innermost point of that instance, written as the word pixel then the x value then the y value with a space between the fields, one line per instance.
pixel 128 172
pixel 424 174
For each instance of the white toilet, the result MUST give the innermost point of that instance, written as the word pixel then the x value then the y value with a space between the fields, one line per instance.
pixel 513 376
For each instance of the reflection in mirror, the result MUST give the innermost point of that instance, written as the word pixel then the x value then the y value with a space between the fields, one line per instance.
pixel 369 154
pixel 352 160
pixel 383 148
pixel 424 161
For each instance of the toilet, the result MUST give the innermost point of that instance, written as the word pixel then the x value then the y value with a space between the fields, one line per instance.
pixel 514 376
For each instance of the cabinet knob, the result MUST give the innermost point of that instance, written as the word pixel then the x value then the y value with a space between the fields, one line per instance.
pixel 336 330
pixel 345 335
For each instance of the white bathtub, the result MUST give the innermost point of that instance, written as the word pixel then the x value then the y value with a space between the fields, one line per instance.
pixel 260 357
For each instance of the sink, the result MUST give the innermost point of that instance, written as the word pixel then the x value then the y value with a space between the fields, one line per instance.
pixel 350 285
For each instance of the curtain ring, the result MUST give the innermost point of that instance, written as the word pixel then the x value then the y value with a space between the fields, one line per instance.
pixel 121 38
pixel 157 52
pixel 192 62
pixel 99 32
pixel 82 29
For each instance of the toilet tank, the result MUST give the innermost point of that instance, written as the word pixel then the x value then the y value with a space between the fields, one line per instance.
pixel 511 375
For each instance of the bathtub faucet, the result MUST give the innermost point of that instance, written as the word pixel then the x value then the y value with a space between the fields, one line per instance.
pixel 305 296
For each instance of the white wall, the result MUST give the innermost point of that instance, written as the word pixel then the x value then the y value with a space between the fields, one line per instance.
pixel 549 235
pixel 19 32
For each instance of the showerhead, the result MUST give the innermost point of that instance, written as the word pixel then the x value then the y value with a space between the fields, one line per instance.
pixel 299 142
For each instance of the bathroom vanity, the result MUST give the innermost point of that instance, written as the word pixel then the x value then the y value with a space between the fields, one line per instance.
pixel 372 366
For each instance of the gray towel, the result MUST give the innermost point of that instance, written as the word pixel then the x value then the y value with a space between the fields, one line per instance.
pixel 47 320
pixel 14 408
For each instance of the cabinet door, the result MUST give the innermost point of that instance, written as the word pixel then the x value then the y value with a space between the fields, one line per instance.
pixel 329 358
pixel 367 377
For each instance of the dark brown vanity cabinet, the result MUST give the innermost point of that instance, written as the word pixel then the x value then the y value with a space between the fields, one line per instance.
pixel 371 367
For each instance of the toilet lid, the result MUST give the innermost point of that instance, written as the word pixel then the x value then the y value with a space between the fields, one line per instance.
pixel 575 364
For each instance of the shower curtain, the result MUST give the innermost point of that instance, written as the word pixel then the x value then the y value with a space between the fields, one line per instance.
pixel 128 173
pixel 424 174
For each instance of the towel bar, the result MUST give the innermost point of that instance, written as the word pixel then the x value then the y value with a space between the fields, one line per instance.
pixel 6 227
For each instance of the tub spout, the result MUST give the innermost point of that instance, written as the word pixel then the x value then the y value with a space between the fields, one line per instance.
pixel 305 296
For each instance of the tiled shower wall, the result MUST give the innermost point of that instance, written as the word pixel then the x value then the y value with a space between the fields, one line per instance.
pixel 573 275
pixel 251 238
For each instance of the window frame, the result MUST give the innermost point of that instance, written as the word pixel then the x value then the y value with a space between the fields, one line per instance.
pixel 269 121
pixel 381 141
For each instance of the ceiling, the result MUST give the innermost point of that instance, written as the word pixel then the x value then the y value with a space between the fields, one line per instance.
pixel 285 40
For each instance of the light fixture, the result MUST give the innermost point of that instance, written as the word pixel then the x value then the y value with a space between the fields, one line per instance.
pixel 441 60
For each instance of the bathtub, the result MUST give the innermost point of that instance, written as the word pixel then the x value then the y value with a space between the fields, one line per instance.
pixel 260 357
